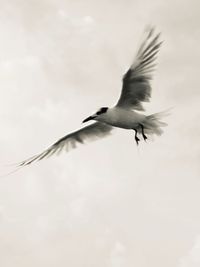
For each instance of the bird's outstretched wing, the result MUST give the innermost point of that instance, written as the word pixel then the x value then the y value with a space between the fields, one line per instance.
pixel 136 81
pixel 70 141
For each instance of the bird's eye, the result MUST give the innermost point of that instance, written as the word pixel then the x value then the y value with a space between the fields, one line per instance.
pixel 102 110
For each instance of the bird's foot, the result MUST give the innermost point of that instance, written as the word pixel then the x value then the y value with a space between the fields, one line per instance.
pixel 144 137
pixel 137 140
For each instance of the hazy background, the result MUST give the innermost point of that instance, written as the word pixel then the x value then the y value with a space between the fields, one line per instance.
pixel 107 204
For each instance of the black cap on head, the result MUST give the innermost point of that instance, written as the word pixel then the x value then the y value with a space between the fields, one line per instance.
pixel 102 110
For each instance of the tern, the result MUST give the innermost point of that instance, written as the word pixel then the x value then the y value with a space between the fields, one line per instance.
pixel 127 113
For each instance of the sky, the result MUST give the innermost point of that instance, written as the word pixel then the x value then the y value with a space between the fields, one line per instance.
pixel 108 203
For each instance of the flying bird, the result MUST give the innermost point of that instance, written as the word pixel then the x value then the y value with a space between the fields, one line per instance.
pixel 127 113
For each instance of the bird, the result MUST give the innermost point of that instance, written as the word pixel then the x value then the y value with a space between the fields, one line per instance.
pixel 128 113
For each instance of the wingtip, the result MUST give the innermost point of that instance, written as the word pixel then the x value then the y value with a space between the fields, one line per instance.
pixel 149 29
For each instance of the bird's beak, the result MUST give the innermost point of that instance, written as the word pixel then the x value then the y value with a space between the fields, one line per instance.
pixel 89 118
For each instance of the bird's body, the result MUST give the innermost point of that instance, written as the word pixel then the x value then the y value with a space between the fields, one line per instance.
pixel 127 113
pixel 122 118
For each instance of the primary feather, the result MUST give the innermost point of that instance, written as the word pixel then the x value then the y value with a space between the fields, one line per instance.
pixel 70 141
pixel 136 81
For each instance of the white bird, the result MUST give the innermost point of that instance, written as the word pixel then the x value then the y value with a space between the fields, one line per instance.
pixel 136 89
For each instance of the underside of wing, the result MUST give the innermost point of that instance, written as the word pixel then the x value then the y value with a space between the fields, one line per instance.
pixel 136 81
pixel 70 141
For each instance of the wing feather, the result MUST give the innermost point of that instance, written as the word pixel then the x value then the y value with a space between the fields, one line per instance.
pixel 70 141
pixel 136 86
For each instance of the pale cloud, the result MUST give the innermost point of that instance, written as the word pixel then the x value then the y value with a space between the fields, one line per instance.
pixel 117 257
pixel 193 257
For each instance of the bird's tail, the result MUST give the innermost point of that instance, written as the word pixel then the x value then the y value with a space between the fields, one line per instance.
pixel 153 124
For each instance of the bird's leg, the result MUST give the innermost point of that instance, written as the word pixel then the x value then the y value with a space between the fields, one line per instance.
pixel 136 138
pixel 144 136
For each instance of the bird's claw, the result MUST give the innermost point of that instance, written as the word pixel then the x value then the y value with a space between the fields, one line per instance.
pixel 144 137
pixel 137 140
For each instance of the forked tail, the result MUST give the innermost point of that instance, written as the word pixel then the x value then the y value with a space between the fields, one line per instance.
pixel 153 124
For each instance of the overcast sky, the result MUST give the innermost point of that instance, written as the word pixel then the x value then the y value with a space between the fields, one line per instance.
pixel 109 203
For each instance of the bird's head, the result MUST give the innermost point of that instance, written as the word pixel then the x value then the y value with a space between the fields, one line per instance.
pixel 97 115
